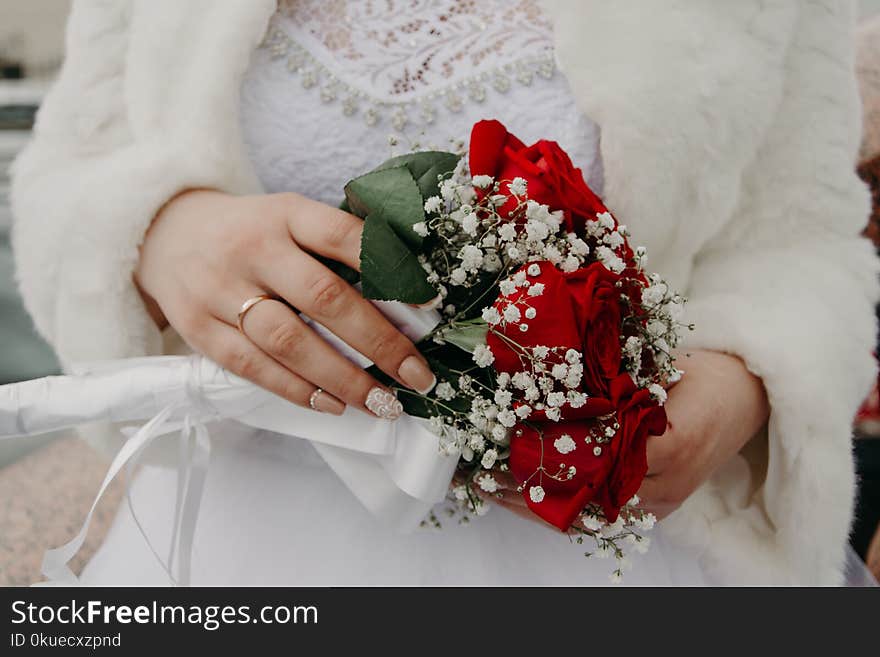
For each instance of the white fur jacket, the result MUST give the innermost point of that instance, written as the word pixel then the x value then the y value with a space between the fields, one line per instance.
pixel 729 131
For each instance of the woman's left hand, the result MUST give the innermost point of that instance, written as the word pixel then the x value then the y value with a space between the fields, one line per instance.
pixel 713 411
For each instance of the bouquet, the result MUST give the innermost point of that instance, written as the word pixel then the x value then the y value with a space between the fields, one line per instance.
pixel 555 345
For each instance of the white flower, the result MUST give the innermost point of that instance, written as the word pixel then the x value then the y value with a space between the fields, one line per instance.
pixel 488 483
pixel 470 223
pixel 570 264
pixel 444 391
pixel 489 458
pixel 457 276
pixel 499 433
pixel 511 313
pixel 578 246
pixel 433 204
pixel 591 523
pixel 647 521
pixel 522 380
pixel 489 240
pixel 537 231
pixel 503 397
pixel 676 375
pixel 447 189
pixel 657 392
pixel 498 199
pixel 503 379
pixel 536 289
pixel 605 220
pixel 552 254
pixel 483 355
pixel 553 414
pixel 643 544
pixel 559 371
pixel 514 253
pixel 460 493
pixel 564 444
pixel 523 411
pixel 540 352
pixel 420 228
pixel 507 287
pixel 572 356
pixel 531 313
pixel 555 399
pixel 534 269
pixel 507 418
pixel 654 294
pixel 610 259
pixel 576 399
pixel 519 186
pixel 507 232
pixel 615 577
pixel 614 239
pixel 483 181
pixel 536 494
pixel 476 442
pixel 491 316
pixel 471 257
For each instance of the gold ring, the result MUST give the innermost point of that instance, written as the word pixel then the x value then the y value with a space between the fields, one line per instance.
pixel 313 399
pixel 247 305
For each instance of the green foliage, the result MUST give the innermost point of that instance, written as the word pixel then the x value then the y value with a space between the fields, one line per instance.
pixel 391 200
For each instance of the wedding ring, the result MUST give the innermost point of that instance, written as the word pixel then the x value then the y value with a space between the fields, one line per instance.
pixel 247 305
pixel 313 399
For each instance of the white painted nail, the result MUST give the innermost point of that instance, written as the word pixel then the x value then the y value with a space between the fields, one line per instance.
pixel 384 404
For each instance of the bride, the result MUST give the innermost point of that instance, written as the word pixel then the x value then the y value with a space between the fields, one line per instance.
pixel 189 160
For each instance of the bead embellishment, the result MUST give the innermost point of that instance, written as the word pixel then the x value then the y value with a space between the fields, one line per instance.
pixel 421 109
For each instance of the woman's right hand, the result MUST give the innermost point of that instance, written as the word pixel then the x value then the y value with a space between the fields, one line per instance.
pixel 207 252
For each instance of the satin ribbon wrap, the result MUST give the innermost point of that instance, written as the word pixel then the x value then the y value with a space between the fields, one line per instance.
pixel 395 468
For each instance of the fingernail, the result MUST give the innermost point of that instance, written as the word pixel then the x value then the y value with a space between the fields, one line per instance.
pixel 416 374
pixel 382 403
pixel 325 403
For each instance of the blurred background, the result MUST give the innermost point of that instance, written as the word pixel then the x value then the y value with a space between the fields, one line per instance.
pixel 31 516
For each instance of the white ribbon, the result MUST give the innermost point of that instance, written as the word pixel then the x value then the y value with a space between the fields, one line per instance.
pixel 394 468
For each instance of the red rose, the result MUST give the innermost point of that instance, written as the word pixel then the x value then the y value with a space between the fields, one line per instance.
pixel 609 478
pixel 638 416
pixel 579 310
pixel 597 305
pixel 552 178
pixel 559 444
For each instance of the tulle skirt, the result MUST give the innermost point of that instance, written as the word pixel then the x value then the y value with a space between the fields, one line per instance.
pixel 273 514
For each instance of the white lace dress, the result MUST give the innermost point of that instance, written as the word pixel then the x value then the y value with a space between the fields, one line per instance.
pixel 332 83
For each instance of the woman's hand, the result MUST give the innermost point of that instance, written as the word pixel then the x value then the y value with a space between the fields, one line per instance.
pixel 207 252
pixel 713 411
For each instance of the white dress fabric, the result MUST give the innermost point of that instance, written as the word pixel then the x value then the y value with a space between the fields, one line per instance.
pixel 329 86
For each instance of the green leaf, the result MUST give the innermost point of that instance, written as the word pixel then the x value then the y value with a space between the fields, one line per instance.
pixel 390 202
pixel 425 167
pixel 467 335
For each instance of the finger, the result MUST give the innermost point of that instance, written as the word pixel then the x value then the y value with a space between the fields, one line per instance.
pixel 327 231
pixel 277 330
pixel 325 297
pixel 233 351
pixel 655 497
